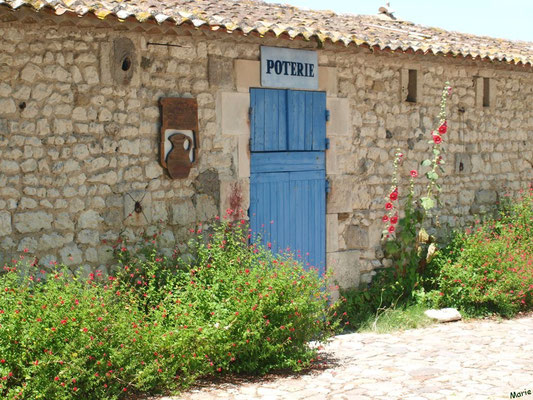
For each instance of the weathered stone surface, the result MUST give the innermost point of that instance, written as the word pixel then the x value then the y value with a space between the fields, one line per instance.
pixel 206 208
pixel 356 237
pixel 444 315
pixel 89 219
pixel 5 223
pixel 71 255
pixel 220 71
pixel 7 106
pixel 32 221
pixel 183 212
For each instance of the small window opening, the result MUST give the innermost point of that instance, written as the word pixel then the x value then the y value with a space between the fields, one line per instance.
pixel 411 86
pixel 126 64
pixel 486 92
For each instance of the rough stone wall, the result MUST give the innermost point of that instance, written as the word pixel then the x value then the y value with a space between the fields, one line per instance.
pixel 78 149
pixel 489 149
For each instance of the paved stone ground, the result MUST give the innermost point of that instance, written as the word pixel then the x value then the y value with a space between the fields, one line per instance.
pixel 482 359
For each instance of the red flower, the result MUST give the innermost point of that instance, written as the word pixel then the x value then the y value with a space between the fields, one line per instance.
pixel 394 219
pixel 385 218
pixel 437 139
pixel 388 206
pixel 443 128
pixel 391 228
pixel 394 195
pixel 414 173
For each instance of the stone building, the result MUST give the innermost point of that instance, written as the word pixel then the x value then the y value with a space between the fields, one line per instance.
pixel 82 85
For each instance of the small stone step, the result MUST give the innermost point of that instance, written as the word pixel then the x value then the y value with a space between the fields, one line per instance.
pixel 444 315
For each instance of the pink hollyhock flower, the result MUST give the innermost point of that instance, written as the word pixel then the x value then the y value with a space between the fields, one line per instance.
pixel 394 219
pixel 414 173
pixel 388 206
pixel 391 228
pixel 443 128
pixel 437 139
pixel 385 218
pixel 394 195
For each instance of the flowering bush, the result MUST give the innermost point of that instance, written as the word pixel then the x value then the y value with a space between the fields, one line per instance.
pixel 159 323
pixel 406 242
pixel 489 268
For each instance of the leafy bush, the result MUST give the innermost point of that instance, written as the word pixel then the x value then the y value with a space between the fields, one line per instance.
pixel 489 268
pixel 159 323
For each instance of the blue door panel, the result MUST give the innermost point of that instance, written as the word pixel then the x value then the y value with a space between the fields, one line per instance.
pixel 287 161
pixel 287 182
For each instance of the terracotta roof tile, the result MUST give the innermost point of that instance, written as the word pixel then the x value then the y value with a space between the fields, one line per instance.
pixel 256 16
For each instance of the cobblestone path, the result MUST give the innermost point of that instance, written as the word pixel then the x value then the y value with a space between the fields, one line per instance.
pixel 483 359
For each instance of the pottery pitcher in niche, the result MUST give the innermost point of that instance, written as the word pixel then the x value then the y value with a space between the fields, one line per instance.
pixel 179 135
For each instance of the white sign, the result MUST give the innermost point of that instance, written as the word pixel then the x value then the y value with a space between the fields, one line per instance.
pixel 289 68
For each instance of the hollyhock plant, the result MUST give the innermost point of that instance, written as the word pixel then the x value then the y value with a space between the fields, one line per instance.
pixel 406 241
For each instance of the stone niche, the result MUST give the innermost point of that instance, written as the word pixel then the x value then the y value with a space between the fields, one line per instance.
pixel 119 62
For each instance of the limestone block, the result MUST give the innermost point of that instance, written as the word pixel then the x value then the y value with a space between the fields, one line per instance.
pixel 5 223
pixel 340 197
pixel 32 221
pixel 41 91
pixel 31 73
pixel 486 197
pixel 183 212
pixel 50 241
pixel 105 254
pixel 361 198
pixel 29 165
pixel 28 244
pixel 243 158
pixel 340 117
pixel 357 237
pixel 345 266
pixel 70 255
pixel 233 113
pixel 206 208
pixel 108 178
pixel 332 233
pixel 90 74
pixel 220 71
pixel 7 106
pixel 91 254
pixel 88 236
pixel 137 208
pixel 159 211
pixel 9 167
pixel 129 147
pixel 247 74
pixel 331 157
pixel 327 80
pixel 153 170
pixel 80 151
pixel 64 221
pixel 89 219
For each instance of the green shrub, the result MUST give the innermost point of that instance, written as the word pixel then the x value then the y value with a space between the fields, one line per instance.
pixel 159 323
pixel 489 268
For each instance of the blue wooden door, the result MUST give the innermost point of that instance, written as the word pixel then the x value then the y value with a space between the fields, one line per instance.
pixel 288 179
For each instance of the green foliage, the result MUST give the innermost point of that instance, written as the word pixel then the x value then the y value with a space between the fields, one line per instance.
pixel 362 305
pixel 489 268
pixel 159 323
pixel 403 317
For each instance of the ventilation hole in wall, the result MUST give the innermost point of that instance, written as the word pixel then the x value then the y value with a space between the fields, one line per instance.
pixel 126 64
pixel 388 134
pixel 22 105
pixel 411 86
pixel 486 92
pixel 461 166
